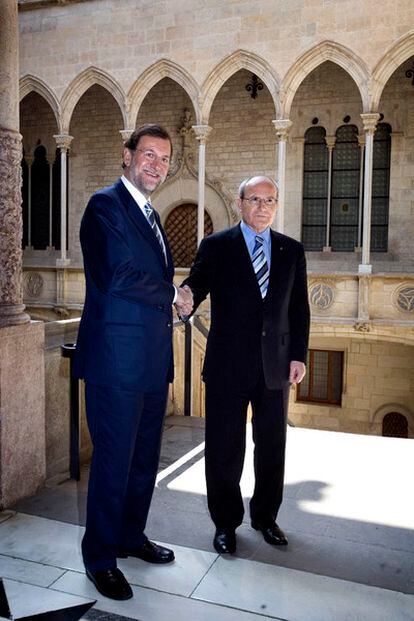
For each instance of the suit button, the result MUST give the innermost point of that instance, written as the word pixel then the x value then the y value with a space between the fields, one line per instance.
pixel 264 333
pixel 169 324
pixel 160 307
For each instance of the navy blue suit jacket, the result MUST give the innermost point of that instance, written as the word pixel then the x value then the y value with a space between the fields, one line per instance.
pixel 125 334
pixel 247 334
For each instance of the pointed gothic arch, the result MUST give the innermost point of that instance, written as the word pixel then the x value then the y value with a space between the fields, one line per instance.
pixel 150 77
pixel 78 87
pixel 393 58
pixel 317 55
pixel 240 59
pixel 30 83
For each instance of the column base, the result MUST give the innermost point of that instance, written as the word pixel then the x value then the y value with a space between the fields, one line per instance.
pixel 13 315
pixel 364 268
pixel 62 263
pixel 22 422
pixel 327 249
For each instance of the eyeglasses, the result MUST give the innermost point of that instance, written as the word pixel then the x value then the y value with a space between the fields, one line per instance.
pixel 152 157
pixel 256 201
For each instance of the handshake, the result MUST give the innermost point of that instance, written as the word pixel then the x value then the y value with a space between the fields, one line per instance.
pixel 184 302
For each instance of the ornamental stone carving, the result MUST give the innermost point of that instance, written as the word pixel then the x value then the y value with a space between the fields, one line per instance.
pixel 33 284
pixel 321 296
pixel 11 227
pixel 404 298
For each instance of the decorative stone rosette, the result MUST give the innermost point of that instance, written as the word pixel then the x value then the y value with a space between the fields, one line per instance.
pixel 321 296
pixel 403 298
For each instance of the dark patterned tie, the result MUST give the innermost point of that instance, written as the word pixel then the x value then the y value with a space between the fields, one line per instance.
pixel 149 212
pixel 260 266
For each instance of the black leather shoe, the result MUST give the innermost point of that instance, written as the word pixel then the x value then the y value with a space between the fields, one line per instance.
pixel 150 552
pixel 111 583
pixel 225 541
pixel 271 533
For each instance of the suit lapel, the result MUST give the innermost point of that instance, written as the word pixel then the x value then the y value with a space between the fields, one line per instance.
pixel 277 262
pixel 140 221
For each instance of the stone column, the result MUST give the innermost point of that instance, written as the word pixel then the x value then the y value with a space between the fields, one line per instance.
pixel 282 128
pixel 63 142
pixel 330 143
pixel 22 391
pixel 11 297
pixel 361 143
pixel 369 121
pixel 201 132
pixel 50 162
pixel 29 162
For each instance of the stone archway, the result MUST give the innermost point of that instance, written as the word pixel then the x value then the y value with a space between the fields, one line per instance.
pixel 307 62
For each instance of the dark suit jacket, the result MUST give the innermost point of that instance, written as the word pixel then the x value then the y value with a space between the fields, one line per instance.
pixel 125 334
pixel 248 334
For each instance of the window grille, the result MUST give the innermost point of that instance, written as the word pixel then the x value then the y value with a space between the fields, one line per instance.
pixel 181 230
pixel 323 380
pixel 395 425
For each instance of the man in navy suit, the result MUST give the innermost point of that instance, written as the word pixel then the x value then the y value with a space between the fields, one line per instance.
pixel 124 354
pixel 256 348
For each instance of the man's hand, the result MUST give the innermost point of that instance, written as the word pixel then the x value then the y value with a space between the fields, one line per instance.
pixel 297 372
pixel 184 301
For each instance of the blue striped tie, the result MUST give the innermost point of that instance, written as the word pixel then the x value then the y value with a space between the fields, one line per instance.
pixel 260 265
pixel 149 212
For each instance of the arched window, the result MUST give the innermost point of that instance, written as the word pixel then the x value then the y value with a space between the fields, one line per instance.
pixel 345 189
pixel 339 204
pixel 315 189
pixel 41 200
pixel 380 188
pixel 181 230
pixel 395 425
pixel 40 194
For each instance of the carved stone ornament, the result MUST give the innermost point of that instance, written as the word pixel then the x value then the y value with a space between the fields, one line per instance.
pixel 321 296
pixel 404 298
pixel 32 284
pixel 361 326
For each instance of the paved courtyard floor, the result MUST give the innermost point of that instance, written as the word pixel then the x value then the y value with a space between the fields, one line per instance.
pixel 348 513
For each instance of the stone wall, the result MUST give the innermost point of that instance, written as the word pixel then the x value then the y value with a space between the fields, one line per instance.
pixel 378 379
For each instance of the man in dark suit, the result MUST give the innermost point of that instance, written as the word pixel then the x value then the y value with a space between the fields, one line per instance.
pixel 256 347
pixel 124 354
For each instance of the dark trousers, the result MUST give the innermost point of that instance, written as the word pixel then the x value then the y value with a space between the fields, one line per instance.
pixel 226 413
pixel 125 427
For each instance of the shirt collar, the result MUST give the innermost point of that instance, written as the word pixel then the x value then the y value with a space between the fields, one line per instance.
pixel 138 196
pixel 251 235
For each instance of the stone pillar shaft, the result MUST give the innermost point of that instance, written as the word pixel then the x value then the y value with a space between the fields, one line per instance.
pixel 361 143
pixel 201 133
pixel 369 121
pixel 63 142
pixel 11 298
pixel 282 128
pixel 330 143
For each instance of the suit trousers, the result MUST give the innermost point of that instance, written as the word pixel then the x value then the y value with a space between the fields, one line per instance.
pixel 226 414
pixel 126 428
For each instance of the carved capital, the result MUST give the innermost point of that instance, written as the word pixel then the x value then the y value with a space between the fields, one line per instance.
pixel 63 141
pixel 361 140
pixel 11 307
pixel 369 121
pixel 126 134
pixel 202 132
pixel 282 128
pixel 330 142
